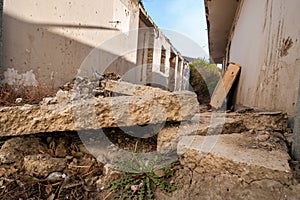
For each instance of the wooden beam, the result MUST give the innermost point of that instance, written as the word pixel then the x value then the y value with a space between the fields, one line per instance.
pixel 225 85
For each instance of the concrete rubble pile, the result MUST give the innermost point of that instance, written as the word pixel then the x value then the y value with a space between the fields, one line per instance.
pixel 239 155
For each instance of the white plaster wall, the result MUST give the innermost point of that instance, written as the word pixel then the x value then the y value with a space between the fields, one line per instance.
pixel 52 38
pixel 186 77
pixel 179 72
pixel 145 42
pixel 266 43
pixel 159 41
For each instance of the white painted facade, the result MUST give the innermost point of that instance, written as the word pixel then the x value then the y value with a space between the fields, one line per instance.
pixel 151 43
pixel 267 46
pixel 265 40
pixel 53 38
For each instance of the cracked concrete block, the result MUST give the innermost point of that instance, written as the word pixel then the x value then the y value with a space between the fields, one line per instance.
pixel 232 167
pixel 263 120
pixel 237 154
pixel 169 136
pixel 214 123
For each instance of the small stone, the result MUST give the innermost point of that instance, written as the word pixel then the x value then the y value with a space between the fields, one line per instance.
pixel 48 101
pixel 109 175
pixel 19 100
pixel 54 176
pixel 160 173
pixel 263 137
pixel 62 96
pixel 61 149
pixel 69 158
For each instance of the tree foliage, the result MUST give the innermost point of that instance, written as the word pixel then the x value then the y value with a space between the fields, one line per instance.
pixel 210 73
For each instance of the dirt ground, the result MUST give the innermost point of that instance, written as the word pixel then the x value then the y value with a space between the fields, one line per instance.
pixel 60 167
pixel 80 177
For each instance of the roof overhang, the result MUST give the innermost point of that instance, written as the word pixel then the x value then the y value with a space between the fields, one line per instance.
pixel 220 15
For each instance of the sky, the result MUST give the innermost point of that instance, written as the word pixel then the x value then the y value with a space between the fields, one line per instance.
pixel 183 22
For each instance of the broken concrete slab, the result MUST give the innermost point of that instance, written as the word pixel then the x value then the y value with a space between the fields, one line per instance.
pixel 236 154
pixel 265 120
pixel 254 120
pixel 169 136
pixel 221 123
pixel 95 113
pixel 232 169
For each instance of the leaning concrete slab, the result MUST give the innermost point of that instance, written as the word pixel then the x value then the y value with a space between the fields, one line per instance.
pixel 94 113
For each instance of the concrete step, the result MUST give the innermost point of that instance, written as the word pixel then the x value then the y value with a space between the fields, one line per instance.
pixel 239 154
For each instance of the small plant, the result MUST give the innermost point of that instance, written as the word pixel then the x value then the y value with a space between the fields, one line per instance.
pixel 143 180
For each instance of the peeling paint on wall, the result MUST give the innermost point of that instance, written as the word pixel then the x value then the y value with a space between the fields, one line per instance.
pixel 13 77
pixel 266 45
pixel 285 46
pixel 43 37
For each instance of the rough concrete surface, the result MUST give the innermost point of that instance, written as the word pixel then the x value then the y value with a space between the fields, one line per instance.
pixel 126 88
pixel 239 154
pixel 234 168
pixel 92 113
pixel 213 123
pixel 246 159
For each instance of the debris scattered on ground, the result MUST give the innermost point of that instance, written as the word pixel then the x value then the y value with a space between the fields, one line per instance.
pixel 18 95
pixel 230 152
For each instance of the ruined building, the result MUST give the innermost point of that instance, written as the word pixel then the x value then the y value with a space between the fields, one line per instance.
pixel 50 43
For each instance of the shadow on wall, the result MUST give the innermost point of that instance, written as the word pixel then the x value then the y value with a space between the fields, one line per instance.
pixel 54 58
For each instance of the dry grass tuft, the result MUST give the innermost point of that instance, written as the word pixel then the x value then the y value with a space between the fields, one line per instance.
pixel 29 94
